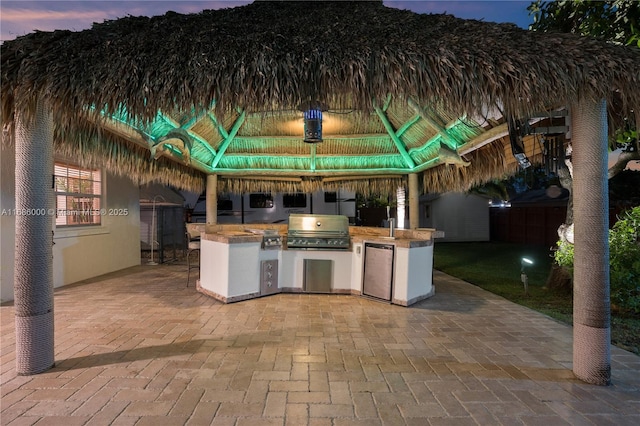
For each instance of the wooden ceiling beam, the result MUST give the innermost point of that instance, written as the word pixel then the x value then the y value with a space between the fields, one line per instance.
pixel 407 125
pixel 219 127
pixel 228 139
pixel 135 137
pixel 195 163
pixel 402 149
pixel 187 128
pixel 331 173
pixel 453 142
pixel 309 173
pixel 485 138
pixel 122 130
pixel 450 156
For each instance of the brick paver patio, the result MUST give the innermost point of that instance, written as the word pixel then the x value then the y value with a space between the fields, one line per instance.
pixel 138 348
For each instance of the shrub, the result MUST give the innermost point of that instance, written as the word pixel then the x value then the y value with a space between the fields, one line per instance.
pixel 624 260
pixel 624 248
pixel 563 254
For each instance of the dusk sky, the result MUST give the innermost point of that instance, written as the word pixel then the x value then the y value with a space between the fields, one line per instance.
pixel 21 17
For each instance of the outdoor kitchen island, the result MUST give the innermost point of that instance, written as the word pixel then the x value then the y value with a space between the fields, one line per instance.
pixel 240 262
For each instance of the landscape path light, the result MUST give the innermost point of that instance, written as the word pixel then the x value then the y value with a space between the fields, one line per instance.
pixel 524 262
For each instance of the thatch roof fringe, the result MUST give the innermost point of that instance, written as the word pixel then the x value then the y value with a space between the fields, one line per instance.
pixel 386 186
pixel 109 152
pixel 239 186
pixel 487 163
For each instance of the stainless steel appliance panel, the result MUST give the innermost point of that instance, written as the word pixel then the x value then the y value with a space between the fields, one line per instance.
pixel 317 275
pixel 269 277
pixel 378 270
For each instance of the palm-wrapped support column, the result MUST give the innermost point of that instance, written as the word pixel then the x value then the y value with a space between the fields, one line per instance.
pixel 591 305
pixel 414 202
pixel 33 285
pixel 212 200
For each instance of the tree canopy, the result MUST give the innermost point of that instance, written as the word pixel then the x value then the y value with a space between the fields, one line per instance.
pixel 617 21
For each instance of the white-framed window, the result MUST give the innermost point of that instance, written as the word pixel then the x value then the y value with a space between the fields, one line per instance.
pixel 78 195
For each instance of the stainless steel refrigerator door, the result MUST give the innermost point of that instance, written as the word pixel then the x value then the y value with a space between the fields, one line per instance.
pixel 317 275
pixel 378 270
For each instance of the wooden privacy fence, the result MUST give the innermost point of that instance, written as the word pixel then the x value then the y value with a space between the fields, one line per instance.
pixel 537 225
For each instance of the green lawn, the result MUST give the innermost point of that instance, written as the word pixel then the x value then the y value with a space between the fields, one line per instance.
pixel 496 267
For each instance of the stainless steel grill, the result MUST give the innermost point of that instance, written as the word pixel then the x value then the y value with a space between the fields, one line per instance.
pixel 318 232
pixel 270 238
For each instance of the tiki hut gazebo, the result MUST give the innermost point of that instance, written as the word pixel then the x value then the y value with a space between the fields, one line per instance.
pixel 217 100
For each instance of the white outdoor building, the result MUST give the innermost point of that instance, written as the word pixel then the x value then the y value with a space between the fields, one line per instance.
pixel 461 217
pixel 80 250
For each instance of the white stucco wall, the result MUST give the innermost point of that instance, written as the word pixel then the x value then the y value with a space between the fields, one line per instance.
pixel 413 273
pixel 79 253
pixel 462 217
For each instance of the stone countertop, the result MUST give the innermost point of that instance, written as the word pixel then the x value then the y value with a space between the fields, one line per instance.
pixel 237 234
pixel 253 233
pixel 406 238
pixel 396 241
pixel 232 237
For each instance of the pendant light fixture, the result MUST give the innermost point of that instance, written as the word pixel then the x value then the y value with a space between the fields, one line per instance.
pixel 312 113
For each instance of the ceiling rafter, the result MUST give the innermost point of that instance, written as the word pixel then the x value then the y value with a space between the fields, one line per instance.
pixel 387 103
pixel 177 140
pixel 193 119
pixel 219 127
pixel 186 127
pixel 406 126
pixel 228 139
pixel 500 131
pixel 402 149
pixel 433 120
pixel 435 138
pixel 138 138
pixel 450 156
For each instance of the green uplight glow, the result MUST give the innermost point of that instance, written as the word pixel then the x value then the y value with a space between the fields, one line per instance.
pixel 264 154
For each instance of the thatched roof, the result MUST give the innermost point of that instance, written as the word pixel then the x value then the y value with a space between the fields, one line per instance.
pixel 174 97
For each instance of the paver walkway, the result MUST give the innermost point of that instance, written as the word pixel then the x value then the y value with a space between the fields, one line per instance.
pixel 138 348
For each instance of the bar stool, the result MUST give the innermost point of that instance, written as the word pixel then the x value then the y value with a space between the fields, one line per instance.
pixel 193 245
